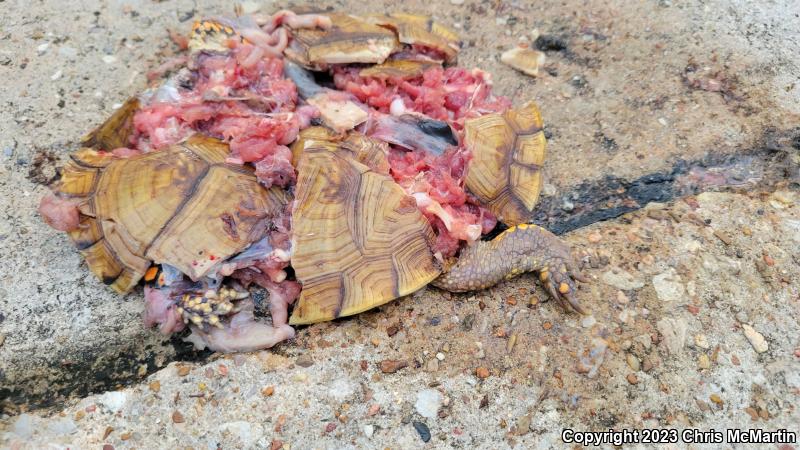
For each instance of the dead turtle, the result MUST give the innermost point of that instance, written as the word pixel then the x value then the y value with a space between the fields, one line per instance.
pixel 358 241
pixel 183 206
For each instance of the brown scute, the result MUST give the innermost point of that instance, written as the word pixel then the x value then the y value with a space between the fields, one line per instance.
pixel 397 68
pixel 87 234
pixel 91 158
pixel 115 132
pixel 357 243
pixel 350 40
pixel 77 180
pixel 421 30
pixel 165 207
pixel 508 151
pixel 196 228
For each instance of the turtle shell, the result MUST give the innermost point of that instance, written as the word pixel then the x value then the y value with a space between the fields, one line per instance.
pixel 397 68
pixel 370 152
pixel 415 29
pixel 508 150
pixel 349 40
pixel 358 240
pixel 182 206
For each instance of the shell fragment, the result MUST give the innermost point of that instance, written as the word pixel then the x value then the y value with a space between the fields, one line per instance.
pixel 525 60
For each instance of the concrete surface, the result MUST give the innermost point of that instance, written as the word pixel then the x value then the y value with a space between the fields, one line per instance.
pixel 639 86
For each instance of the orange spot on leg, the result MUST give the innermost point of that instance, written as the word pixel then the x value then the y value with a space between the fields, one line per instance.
pixel 563 288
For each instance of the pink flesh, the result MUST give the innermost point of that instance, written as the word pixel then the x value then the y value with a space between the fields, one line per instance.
pixel 241 332
pixel 60 213
pixel 436 181
pixel 159 309
pixel 241 97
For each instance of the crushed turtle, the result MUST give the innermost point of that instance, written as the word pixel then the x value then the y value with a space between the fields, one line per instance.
pixel 192 186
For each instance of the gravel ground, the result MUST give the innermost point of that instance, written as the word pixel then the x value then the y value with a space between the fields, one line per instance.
pixel 680 294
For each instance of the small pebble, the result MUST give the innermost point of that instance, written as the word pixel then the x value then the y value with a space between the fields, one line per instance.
pixel 183 371
pixel 440 356
pixel 56 75
pixel 716 399
pixel 301 377
pixel 722 236
pixel 392 365
pixel 109 59
pixel 428 402
pixel 369 430
pixel 703 361
pixel 373 410
pixel 304 361
pixel 756 339
pixel 482 372
pixel 268 391
pixel 657 214
pixel 512 341
pixel 701 341
pixel 633 362
pixel 177 417
pixel 595 237
pixel 155 386
pixel 632 378
pixel 588 321
pixel 752 413
pixel 423 431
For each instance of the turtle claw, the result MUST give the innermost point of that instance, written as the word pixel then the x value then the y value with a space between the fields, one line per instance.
pixel 579 276
pixel 560 284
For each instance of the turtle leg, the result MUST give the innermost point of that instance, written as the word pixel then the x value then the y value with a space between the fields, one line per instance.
pixel 520 249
